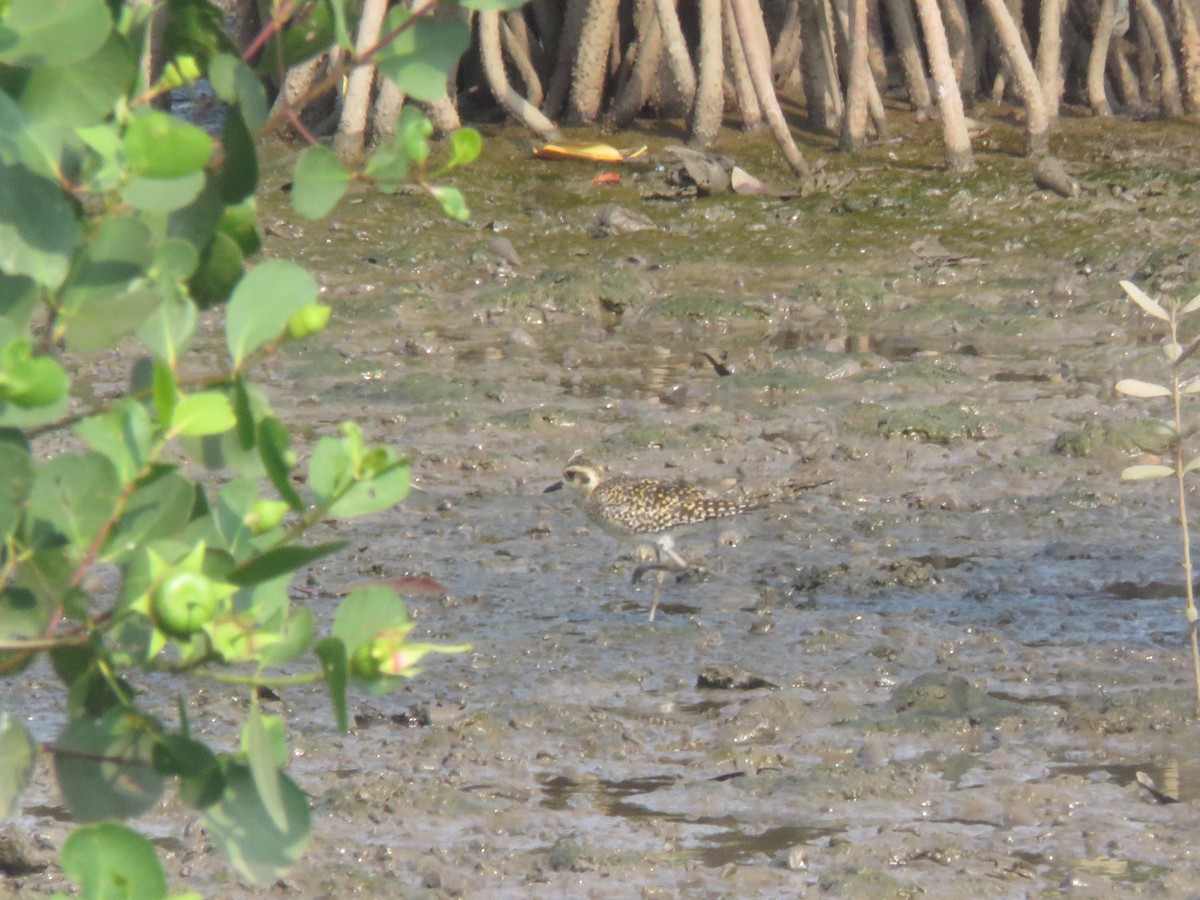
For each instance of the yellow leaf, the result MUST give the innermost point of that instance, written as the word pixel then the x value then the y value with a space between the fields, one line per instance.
pixel 1141 473
pixel 1138 296
pixel 1131 387
pixel 590 152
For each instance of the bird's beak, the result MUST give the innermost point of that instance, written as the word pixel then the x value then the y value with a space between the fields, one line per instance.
pixel 557 486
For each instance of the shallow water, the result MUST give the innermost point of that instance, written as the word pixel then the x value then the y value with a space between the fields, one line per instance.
pixel 948 665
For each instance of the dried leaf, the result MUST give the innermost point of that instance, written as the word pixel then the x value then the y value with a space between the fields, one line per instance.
pixel 1172 350
pixel 1193 305
pixel 1192 386
pixel 590 152
pixel 1142 473
pixel 1138 296
pixel 1131 387
pixel 1192 465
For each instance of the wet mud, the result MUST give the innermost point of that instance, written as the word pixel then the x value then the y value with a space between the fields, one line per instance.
pixel 939 674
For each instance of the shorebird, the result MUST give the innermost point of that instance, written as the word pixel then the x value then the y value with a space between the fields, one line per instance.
pixel 649 510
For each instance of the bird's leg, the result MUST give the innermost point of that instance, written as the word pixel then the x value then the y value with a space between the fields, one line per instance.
pixel 677 564
pixel 662 574
pixel 668 547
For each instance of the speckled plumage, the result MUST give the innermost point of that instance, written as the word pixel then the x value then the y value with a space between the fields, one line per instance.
pixel 647 508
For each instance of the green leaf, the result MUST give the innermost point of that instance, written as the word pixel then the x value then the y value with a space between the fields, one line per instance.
pixel 223 452
pixel 413 131
pixel 352 481
pixel 318 183
pixel 243 829
pixel 19 298
pixel 262 303
pixel 208 412
pixel 452 203
pixel 227 526
pixel 28 381
pixel 388 163
pixel 107 295
pixel 103 767
pixel 304 37
pixel 272 739
pixel 382 490
pixel 17 755
pixel 365 613
pixel 332 653
pixel 17 466
pixel 465 147
pixel 158 145
pixel 175 260
pixel 37 33
pixel 169 331
pixel 238 222
pixel 200 780
pixel 421 56
pixel 197 222
pixel 296 637
pixel 107 171
pixel 76 494
pixel 121 433
pixel 14 416
pixel 163 195
pixel 264 768
pixel 243 408
pixel 38 229
pixel 113 862
pixel 239 171
pixel 164 392
pixel 196 28
pixel 273 442
pixel 235 82
pixel 341 26
pixel 22 618
pixel 280 561
pixel 161 507
pixel 80 93
pixel 220 270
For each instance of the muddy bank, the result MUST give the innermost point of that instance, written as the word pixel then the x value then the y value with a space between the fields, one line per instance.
pixel 940 673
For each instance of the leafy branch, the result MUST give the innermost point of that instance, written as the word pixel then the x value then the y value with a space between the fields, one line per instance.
pixel 1173 313
pixel 121 223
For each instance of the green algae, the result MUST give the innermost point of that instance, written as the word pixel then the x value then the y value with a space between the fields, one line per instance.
pixel 1115 436
pixel 944 424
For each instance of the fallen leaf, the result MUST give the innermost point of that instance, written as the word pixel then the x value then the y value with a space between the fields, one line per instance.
pixel 405 586
pixel 589 152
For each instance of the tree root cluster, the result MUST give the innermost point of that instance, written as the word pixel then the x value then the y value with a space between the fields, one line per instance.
pixel 712 62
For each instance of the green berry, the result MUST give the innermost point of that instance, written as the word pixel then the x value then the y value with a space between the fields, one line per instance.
pixel 308 320
pixel 184 603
